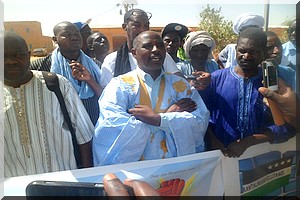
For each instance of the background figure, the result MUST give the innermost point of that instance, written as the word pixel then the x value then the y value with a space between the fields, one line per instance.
pixel 147 113
pixel 274 51
pixel 198 47
pixel 243 21
pixel 71 62
pixel 172 35
pixel 98 45
pixel 122 61
pixel 35 136
pixel 289 48
pixel 239 118
pixel 85 32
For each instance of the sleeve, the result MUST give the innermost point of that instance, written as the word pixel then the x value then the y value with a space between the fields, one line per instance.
pixel 282 133
pixel 208 95
pixel 170 65
pixel 80 119
pixel 117 133
pixel 188 129
pixel 108 68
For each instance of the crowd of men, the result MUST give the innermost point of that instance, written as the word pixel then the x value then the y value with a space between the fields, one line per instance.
pixel 143 101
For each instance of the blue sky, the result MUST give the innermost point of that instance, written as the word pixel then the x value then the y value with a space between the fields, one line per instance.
pixel 106 13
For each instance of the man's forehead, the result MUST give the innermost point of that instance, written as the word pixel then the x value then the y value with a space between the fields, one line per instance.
pixel 138 18
pixel 68 28
pixel 150 39
pixel 136 13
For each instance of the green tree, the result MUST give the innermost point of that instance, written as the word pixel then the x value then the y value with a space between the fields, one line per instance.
pixel 220 29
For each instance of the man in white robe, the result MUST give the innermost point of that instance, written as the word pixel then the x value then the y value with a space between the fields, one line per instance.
pixel 148 114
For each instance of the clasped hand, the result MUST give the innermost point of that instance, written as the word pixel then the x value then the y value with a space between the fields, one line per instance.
pixel 79 72
pixel 149 116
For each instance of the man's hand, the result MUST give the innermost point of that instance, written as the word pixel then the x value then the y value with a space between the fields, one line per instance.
pixel 79 72
pixel 114 187
pixel 202 81
pixel 145 114
pixel 185 104
pixel 285 98
pixel 236 148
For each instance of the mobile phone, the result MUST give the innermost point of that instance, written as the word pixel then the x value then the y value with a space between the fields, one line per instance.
pixel 270 75
pixel 71 189
pixel 61 188
pixel 190 77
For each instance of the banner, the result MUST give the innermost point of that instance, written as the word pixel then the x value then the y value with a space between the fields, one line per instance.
pixel 193 175
pixel 263 170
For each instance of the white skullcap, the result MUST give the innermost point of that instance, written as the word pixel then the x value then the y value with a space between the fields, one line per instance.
pixel 247 19
pixel 198 37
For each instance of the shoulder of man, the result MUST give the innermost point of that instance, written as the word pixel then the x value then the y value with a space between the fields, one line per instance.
pixel 41 64
pixel 110 58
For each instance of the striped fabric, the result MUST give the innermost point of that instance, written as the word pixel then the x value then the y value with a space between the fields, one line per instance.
pixel 41 64
pixel 36 138
pixel 91 104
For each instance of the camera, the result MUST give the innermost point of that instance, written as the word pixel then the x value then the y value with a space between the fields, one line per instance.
pixel 270 75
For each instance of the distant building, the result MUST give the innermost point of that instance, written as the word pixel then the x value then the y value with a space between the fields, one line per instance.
pixel 31 31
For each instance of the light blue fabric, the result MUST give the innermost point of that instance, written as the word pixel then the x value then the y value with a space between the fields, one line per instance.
pixel 228 56
pixel 187 69
pixel 289 50
pixel 120 137
pixel 288 74
pixel 60 65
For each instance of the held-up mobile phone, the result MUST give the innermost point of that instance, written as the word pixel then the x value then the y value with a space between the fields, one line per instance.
pixel 270 78
pixel 190 77
pixel 270 75
pixel 61 188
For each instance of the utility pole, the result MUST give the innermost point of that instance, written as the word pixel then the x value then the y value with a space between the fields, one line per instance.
pixel 127 5
pixel 267 13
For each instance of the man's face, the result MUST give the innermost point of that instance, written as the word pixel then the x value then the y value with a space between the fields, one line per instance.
pixel 274 48
pixel 172 43
pixel 199 53
pixel 101 44
pixel 249 54
pixel 16 60
pixel 69 38
pixel 135 25
pixel 85 32
pixel 150 52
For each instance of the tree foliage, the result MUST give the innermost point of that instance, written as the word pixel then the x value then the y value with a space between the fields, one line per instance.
pixel 220 29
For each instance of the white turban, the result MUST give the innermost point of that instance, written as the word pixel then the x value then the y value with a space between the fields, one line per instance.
pixel 247 19
pixel 196 38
